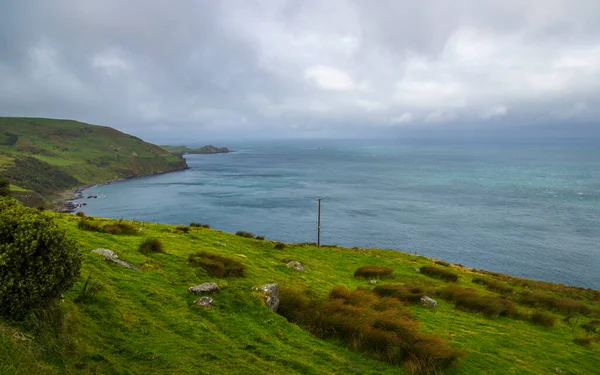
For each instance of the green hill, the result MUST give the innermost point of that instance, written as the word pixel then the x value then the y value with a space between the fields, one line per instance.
pixel 144 322
pixel 184 150
pixel 46 156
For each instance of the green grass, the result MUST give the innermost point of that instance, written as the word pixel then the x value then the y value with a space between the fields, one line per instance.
pixel 143 322
pixel 49 156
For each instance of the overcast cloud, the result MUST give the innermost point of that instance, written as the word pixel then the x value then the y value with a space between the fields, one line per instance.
pixel 202 69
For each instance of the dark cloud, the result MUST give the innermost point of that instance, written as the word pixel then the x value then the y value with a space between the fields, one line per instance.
pixel 193 69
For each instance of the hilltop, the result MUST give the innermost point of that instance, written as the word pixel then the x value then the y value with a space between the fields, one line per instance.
pixel 184 150
pixel 144 321
pixel 43 157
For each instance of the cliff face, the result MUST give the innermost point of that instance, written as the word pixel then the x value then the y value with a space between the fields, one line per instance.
pixel 47 156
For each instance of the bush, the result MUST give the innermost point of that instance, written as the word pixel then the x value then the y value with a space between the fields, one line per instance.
pixel 470 301
pixel 206 226
pixel 441 263
pixel 195 225
pixel 560 305
pixel 151 245
pixel 217 265
pixel 583 341
pixel 80 214
pixel 543 319
pixel 243 233
pixel 378 327
pixel 370 272
pixel 86 224
pixel 182 228
pixel 262 238
pixel 279 246
pixel 410 293
pixel 439 273
pixel 4 187
pixel 38 262
pixel 493 286
pixel 120 228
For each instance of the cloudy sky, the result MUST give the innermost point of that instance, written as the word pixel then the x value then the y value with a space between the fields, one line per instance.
pixel 355 68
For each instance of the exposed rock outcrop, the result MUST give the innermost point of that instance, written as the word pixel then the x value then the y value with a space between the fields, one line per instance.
pixel 271 296
pixel 206 288
pixel 296 265
pixel 428 302
pixel 111 256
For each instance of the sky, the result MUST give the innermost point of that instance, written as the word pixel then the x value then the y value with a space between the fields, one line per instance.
pixel 192 70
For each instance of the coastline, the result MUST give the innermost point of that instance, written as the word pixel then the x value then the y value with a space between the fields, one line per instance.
pixel 65 203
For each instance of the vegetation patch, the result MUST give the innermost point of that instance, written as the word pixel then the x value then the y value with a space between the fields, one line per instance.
pixel 559 305
pixel 471 301
pixel 87 224
pixel 373 272
pixel 120 228
pixel 279 246
pixel 217 265
pixel 543 319
pixel 182 229
pixel 493 286
pixel 151 245
pixel 410 293
pixel 439 273
pixel 377 326
pixel 245 234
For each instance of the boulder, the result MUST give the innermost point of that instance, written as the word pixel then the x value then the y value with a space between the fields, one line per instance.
pixel 271 296
pixel 428 302
pixel 208 288
pixel 204 301
pixel 125 264
pixel 297 265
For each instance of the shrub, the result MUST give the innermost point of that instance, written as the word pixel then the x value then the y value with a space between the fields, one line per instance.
pixel 4 187
pixel 80 214
pixel 217 265
pixel 410 293
pixel 543 319
pixel 493 286
pixel 262 238
pixel 470 301
pixel 120 228
pixel 370 272
pixel 151 245
pixel 279 246
pixel 182 228
pixel 583 341
pixel 439 273
pixel 560 305
pixel 441 263
pixel 378 327
pixel 86 224
pixel 206 226
pixel 195 225
pixel 591 326
pixel 243 233
pixel 38 261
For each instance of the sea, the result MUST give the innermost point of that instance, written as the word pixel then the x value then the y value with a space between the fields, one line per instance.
pixel 526 208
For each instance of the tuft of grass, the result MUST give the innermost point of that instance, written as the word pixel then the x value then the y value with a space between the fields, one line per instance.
pixel 182 229
pixel 373 272
pixel 470 301
pixel 439 273
pixel 195 225
pixel 217 265
pixel 243 233
pixel 89 290
pixel 559 305
pixel 379 327
pixel 493 286
pixel 279 246
pixel 80 214
pixel 86 224
pixel 120 228
pixel 151 245
pixel 410 293
pixel 442 263
pixel 262 238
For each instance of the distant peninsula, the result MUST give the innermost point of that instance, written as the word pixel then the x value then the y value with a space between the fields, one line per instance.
pixel 184 150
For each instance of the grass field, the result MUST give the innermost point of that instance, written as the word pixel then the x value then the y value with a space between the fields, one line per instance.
pixel 144 322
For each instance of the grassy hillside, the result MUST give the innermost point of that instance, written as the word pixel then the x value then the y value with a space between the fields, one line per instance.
pixel 47 156
pixel 144 322
pixel 183 150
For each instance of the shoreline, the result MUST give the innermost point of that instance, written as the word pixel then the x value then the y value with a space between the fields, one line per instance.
pixel 65 203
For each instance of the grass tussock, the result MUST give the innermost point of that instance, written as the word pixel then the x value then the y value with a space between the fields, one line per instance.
pixel 439 273
pixel 86 224
pixel 89 291
pixel 151 245
pixel 559 305
pixel 409 293
pixel 120 228
pixel 377 326
pixel 470 301
pixel 442 263
pixel 245 234
pixel 80 214
pixel 493 286
pixel 217 265
pixel 373 272
pixel 182 229
pixel 279 246
pixel 543 319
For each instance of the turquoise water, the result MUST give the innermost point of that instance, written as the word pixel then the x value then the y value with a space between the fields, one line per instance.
pixel 530 210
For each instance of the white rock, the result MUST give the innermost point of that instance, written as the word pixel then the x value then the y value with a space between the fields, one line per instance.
pixel 204 301
pixel 428 302
pixel 271 296
pixel 204 288
pixel 297 265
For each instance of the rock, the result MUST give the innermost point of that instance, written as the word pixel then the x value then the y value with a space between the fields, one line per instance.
pixel 220 244
pixel 373 282
pixel 558 371
pixel 110 255
pixel 204 301
pixel 271 296
pixel 418 269
pixel 297 265
pixel 204 288
pixel 107 254
pixel 428 302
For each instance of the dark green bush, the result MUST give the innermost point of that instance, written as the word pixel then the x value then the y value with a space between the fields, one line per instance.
pixel 217 265
pixel 4 187
pixel 378 327
pixel 583 341
pixel 206 226
pixel 37 260
pixel 182 228
pixel 195 225
pixel 243 233
pixel 260 238
pixel 279 246
pixel 543 319
pixel 151 245
pixel 86 224
pixel 370 272
pixel 80 214
pixel 439 273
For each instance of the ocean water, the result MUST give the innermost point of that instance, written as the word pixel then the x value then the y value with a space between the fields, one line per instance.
pixel 526 209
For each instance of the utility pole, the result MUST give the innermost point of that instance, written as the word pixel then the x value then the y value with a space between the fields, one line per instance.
pixel 319 224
